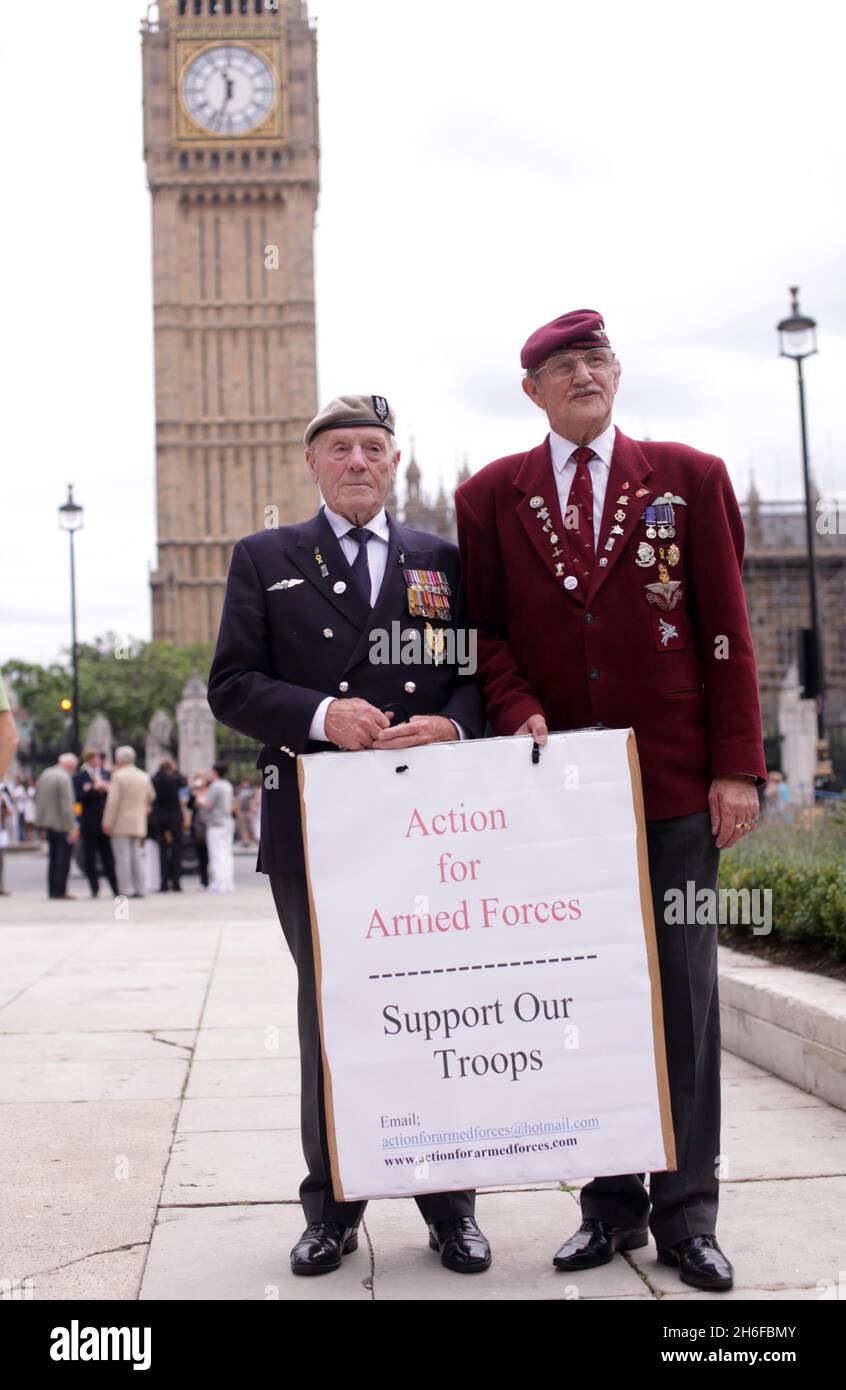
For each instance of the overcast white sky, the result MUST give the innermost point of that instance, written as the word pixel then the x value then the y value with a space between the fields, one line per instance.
pixel 486 166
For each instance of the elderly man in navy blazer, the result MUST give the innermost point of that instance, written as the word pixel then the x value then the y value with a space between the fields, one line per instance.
pixel 293 669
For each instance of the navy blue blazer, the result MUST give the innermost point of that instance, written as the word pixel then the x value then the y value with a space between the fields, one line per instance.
pixel 287 640
pixel 93 802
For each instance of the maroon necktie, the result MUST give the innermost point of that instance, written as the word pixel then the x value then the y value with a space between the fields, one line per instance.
pixel 580 539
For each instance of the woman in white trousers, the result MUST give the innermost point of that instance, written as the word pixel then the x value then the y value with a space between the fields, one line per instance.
pixel 220 830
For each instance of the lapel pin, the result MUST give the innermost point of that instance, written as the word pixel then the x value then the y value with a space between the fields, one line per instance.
pixel 339 587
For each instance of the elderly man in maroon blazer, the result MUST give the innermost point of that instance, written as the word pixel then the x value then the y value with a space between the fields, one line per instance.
pixel 605 576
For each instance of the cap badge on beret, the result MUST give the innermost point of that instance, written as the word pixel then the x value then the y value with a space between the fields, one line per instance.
pixel 350 412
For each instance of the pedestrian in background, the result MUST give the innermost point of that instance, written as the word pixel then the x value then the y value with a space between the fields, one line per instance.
pixel 220 830
pixel 8 746
pixel 129 798
pixel 91 785
pixel 197 809
pixel 245 802
pixel 55 818
pixel 167 820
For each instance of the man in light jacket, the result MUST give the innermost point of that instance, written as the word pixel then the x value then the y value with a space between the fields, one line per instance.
pixel 54 815
pixel 130 796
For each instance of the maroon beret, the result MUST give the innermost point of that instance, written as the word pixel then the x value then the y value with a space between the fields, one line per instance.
pixel 582 328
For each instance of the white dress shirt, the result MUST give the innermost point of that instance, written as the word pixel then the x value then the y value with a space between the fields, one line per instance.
pixel 565 471
pixel 377 546
pixel 377 560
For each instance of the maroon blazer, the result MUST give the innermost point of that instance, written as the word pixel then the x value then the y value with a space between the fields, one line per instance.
pixel 675 661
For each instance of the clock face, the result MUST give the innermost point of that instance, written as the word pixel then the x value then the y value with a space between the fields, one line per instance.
pixel 229 90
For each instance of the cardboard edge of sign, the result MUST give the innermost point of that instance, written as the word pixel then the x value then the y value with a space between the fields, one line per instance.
pixel 648 917
pixel 328 1098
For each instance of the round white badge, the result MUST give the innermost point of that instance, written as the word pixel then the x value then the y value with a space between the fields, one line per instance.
pixel 571 582
pixel 340 587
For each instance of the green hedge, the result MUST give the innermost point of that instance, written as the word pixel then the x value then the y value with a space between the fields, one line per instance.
pixel 804 865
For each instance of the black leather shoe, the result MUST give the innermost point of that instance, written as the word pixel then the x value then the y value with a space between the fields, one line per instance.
pixel 701 1263
pixel 463 1247
pixel 321 1245
pixel 596 1243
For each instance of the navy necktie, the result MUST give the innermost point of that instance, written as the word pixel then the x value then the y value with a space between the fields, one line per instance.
pixel 360 567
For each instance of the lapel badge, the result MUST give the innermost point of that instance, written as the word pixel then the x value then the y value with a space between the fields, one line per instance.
pixel 604 561
pixel 673 555
pixel 616 530
pixel 286 584
pixel 609 544
pixel 536 502
pixel 319 558
pixel 626 486
pixel 645 555
pixel 619 515
pixel 623 501
pixel 559 570
pixel 671 499
pixel 667 631
pixel 663 574
pixel 642 492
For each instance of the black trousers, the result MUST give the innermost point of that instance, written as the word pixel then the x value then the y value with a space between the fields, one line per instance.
pixel 58 863
pixel 291 897
pixel 683 1203
pixel 169 836
pixel 94 843
pixel 203 861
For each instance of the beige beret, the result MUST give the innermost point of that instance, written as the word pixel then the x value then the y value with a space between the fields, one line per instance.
pixel 347 412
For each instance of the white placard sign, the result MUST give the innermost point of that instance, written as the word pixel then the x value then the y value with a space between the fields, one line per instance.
pixel 487 972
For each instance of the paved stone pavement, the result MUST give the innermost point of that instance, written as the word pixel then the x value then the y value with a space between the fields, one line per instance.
pixel 149 1143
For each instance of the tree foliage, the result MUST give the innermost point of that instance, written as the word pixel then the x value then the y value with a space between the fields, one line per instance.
pixel 125 681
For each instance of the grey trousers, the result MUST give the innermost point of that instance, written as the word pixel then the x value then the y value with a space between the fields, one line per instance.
pixel 128 852
pixel 290 895
pixel 683 1203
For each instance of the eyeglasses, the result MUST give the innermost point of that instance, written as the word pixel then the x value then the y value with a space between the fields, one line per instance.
pixel 560 368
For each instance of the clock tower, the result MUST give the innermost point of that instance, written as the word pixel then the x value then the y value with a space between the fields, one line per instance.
pixel 231 146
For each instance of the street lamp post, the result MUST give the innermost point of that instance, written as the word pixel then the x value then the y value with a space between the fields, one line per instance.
pixel 70 520
pixel 798 339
